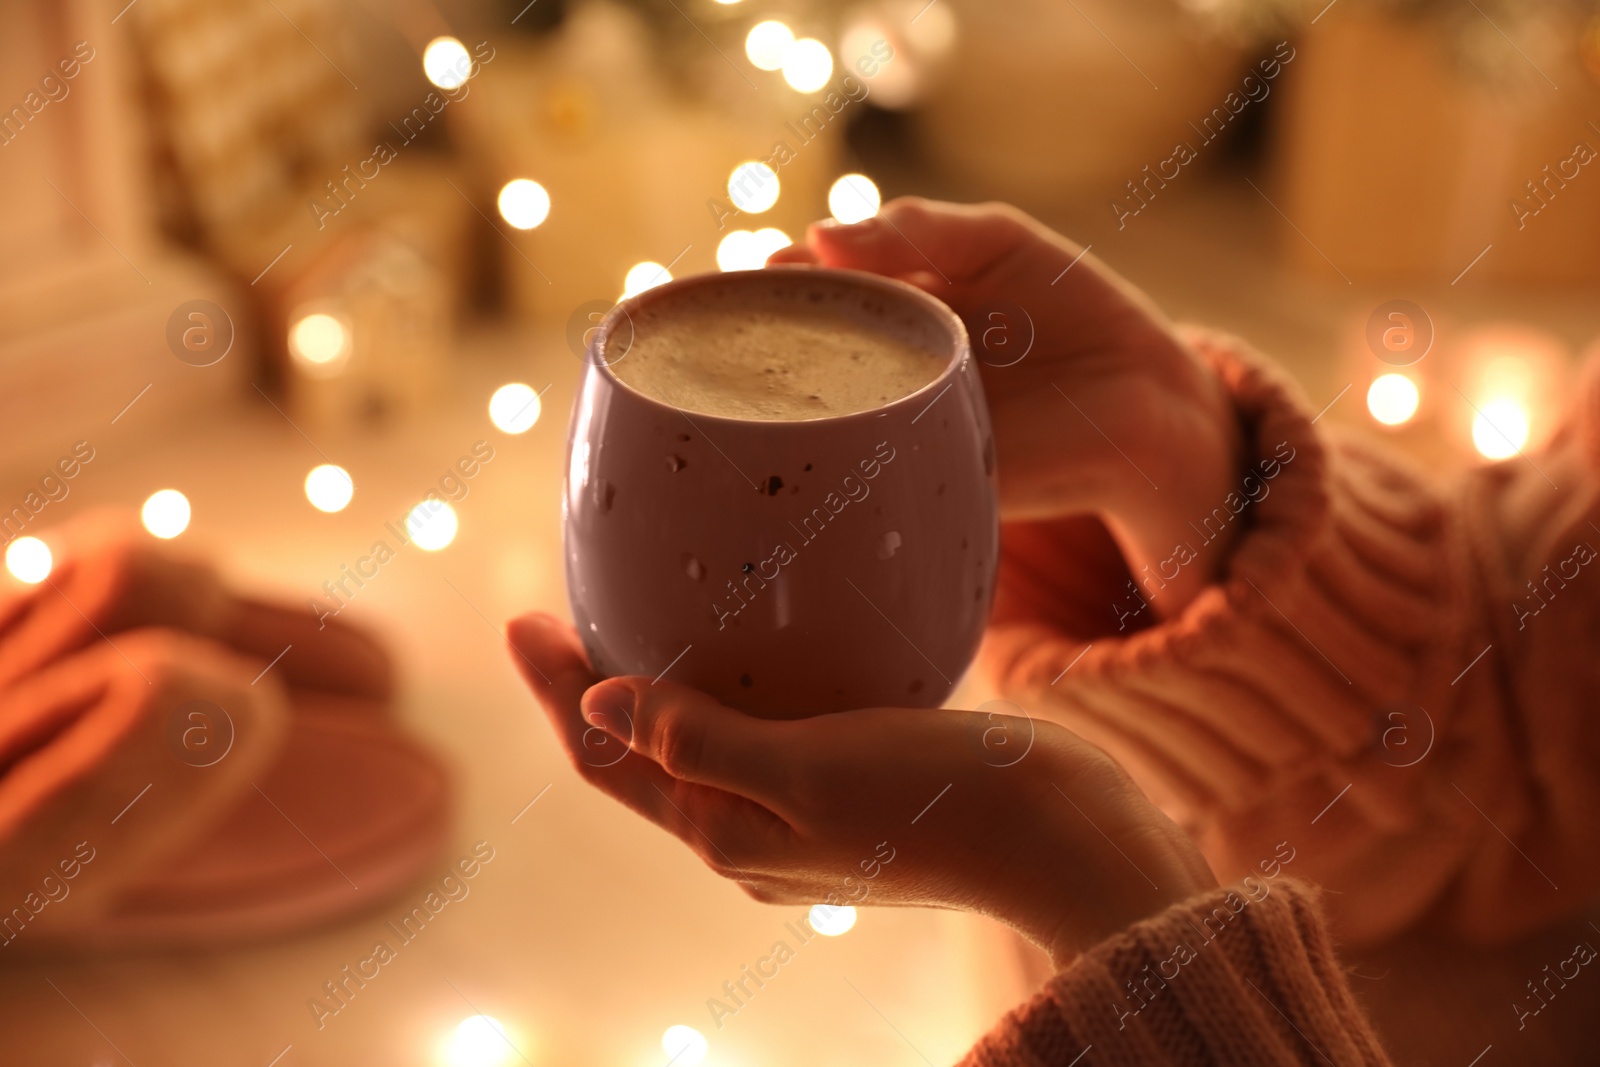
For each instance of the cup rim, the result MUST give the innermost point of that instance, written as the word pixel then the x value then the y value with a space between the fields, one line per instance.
pixel 961 349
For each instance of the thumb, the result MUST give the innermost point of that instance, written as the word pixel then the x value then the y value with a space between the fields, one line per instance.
pixel 691 736
pixel 910 235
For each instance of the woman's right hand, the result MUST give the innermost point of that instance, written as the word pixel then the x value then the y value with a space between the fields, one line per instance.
pixel 1098 407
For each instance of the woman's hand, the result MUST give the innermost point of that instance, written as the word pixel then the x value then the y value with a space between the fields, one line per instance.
pixel 1011 817
pixel 1107 412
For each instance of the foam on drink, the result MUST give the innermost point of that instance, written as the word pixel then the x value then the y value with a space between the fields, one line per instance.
pixel 783 348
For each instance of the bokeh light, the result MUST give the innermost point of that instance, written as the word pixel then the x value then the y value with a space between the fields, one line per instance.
pixel 29 560
pixel 480 1041
pixel 1500 428
pixel 329 488
pixel 766 44
pixel 895 84
pixel 807 65
pixel 1393 398
pixel 524 203
pixel 514 408
pixel 642 276
pixel 744 250
pixel 166 513
pixel 446 63
pixel 830 920
pixel 685 1044
pixel 432 524
pixel 740 250
pixel 768 240
pixel 320 342
pixel 853 198
pixel 753 187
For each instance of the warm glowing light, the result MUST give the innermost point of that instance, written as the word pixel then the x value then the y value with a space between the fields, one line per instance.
pixel 320 342
pixel 895 84
pixel 807 65
pixel 432 524
pixel 446 63
pixel 744 250
pixel 329 488
pixel 766 44
pixel 727 1
pixel 642 276
pixel 685 1045
pixel 514 408
pixel 524 203
pixel 1393 399
pixel 740 250
pixel 480 1041
pixel 768 240
pixel 753 187
pixel 166 513
pixel 28 559
pixel 1500 429
pixel 854 198
pixel 831 921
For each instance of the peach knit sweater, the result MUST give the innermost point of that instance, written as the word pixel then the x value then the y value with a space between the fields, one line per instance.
pixel 1241 977
pixel 1391 674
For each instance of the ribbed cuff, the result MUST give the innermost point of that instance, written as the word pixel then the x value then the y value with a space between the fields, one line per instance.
pixel 1331 605
pixel 1244 975
pixel 1270 695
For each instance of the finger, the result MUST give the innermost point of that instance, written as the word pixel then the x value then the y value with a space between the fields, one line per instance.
pixel 731 833
pixel 694 738
pixel 552 662
pixel 910 235
pixel 715 824
pixel 791 254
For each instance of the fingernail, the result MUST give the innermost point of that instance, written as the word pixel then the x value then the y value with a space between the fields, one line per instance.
pixel 848 231
pixel 522 625
pixel 610 723
pixel 609 706
pixel 851 231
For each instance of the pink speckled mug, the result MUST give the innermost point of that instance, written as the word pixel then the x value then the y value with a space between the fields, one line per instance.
pixel 788 568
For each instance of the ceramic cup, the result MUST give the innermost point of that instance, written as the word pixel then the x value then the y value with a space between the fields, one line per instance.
pixel 788 568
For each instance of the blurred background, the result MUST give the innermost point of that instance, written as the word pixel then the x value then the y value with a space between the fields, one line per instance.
pixel 278 264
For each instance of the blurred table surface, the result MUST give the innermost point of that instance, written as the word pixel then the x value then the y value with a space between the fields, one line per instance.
pixel 591 931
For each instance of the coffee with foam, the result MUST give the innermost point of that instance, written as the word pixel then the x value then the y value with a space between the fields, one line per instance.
pixel 783 348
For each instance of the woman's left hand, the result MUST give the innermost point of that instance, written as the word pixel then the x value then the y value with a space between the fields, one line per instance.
pixel 1012 817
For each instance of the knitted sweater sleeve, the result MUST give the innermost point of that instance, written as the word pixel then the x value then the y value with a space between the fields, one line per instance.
pixel 1243 976
pixel 1390 674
